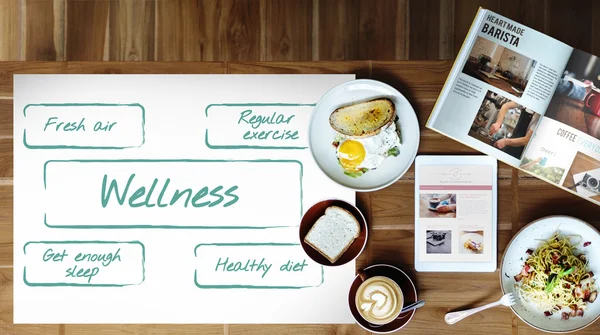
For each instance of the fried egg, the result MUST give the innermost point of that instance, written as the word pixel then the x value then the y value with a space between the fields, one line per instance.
pixel 367 153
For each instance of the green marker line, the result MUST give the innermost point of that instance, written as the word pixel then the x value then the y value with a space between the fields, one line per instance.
pixel 81 284
pixel 259 104
pixel 213 146
pixel 234 286
pixel 155 226
pixel 94 104
pixel 243 244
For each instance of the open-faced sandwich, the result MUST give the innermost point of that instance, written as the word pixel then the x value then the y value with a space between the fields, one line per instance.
pixel 366 134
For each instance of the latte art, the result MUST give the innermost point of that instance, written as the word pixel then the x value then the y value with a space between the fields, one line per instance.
pixel 379 300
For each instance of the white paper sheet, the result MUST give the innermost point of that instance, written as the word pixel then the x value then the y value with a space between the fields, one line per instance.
pixel 169 199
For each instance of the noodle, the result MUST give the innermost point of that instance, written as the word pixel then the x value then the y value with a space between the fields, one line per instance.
pixel 553 277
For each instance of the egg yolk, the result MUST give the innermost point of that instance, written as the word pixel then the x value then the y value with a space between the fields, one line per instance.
pixel 351 154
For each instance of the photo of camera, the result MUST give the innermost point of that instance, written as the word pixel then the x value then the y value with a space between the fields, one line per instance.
pixel 591 183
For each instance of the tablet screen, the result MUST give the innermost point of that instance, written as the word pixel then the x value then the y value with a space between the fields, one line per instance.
pixel 455 213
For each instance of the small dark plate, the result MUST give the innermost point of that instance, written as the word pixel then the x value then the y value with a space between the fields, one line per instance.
pixel 408 291
pixel 314 213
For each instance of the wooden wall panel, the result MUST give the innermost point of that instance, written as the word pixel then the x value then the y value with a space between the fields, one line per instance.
pixel 239 31
pixel 351 329
pixel 596 28
pixel 288 25
pixel 6 118
pixel 131 30
pixel 8 69
pixel 571 22
pixel 464 13
pixel 446 28
pixel 185 30
pixel 272 30
pixel 424 29
pixel 527 12
pixel 87 26
pixel 377 29
pixel 337 33
pixel 44 30
pixel 143 329
pixel 6 311
pixel 6 223
pixel 9 30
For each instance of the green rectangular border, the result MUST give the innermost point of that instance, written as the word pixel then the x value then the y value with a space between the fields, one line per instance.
pixel 174 161
pixel 28 146
pixel 250 286
pixel 85 242
pixel 211 146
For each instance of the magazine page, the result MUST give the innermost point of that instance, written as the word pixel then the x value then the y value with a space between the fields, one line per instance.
pixel 566 146
pixel 500 84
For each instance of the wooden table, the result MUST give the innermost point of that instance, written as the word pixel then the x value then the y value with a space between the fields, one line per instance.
pixel 390 212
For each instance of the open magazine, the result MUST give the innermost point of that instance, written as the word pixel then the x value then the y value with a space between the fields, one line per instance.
pixel 527 99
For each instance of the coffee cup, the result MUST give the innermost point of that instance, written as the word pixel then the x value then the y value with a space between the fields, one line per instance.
pixel 592 101
pixel 379 299
pixel 434 202
pixel 409 297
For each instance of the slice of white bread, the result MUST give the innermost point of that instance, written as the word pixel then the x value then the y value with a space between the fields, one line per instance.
pixel 363 119
pixel 333 233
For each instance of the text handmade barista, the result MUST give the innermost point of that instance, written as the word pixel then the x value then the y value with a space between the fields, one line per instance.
pixel 502 30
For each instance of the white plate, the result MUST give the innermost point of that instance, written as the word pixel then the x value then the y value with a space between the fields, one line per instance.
pixel 472 236
pixel 321 134
pixel 513 260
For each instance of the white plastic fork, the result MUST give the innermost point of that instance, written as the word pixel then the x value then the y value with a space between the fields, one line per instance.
pixel 452 318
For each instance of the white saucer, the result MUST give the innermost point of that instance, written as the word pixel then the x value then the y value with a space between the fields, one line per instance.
pixel 321 134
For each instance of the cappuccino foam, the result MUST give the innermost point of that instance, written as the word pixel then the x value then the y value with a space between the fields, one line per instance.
pixel 379 300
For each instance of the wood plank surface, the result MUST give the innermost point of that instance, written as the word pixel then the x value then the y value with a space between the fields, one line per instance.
pixel 143 329
pixel 6 311
pixel 131 30
pixel 578 35
pixel 146 68
pixel 6 224
pixel 334 17
pixel 424 39
pixel 6 158
pixel 7 69
pixel 295 329
pixel 6 118
pixel 464 13
pixel 87 27
pixel 9 30
pixel 390 211
pixel 44 38
pixel 179 35
pixel 239 31
pixel 288 30
pixel 377 31
pixel 527 12
pixel 259 30
pixel 362 69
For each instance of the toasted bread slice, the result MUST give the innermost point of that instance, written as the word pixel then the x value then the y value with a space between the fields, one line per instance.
pixel 363 119
pixel 333 233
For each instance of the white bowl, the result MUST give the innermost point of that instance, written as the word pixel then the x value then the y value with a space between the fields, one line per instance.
pixel 513 260
pixel 321 135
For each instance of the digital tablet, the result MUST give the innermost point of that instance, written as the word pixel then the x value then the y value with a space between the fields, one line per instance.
pixel 456 213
